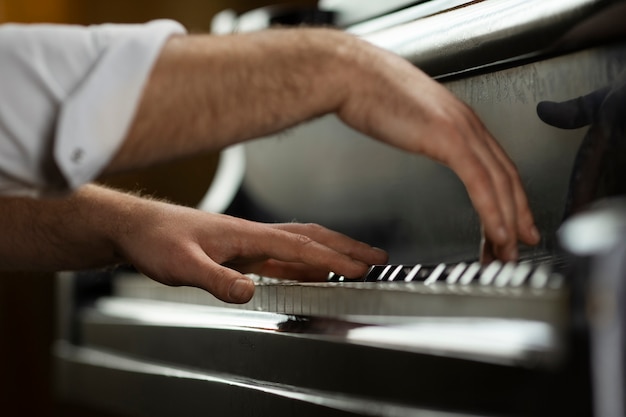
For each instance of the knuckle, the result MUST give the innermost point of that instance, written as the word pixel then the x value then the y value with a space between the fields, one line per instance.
pixel 314 228
pixel 302 240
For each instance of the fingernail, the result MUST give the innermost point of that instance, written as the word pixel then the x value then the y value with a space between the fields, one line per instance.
pixel 239 290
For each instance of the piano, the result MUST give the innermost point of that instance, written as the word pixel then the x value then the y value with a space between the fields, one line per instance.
pixel 434 332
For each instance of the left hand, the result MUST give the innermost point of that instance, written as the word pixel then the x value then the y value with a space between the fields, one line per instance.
pixel 181 246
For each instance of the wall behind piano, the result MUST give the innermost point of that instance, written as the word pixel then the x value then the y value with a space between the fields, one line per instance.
pixel 27 299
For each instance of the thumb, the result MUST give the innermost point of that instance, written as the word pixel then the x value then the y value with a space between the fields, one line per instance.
pixel 224 283
pixel 575 113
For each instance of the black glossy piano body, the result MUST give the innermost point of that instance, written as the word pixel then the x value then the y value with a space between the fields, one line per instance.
pixel 537 338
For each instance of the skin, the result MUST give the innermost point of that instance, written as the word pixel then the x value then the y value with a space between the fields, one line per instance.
pixel 171 244
pixel 207 85
pixel 208 92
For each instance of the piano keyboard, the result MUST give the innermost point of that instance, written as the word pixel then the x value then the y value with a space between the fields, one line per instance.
pixel 495 274
pixel 531 289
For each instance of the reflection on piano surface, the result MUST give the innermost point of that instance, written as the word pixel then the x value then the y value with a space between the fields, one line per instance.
pixel 434 333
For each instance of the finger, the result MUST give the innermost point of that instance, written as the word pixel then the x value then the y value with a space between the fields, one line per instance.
pixel 525 223
pixel 294 247
pixel 224 283
pixel 572 114
pixel 284 270
pixel 503 184
pixel 482 192
pixel 341 243
pixel 486 251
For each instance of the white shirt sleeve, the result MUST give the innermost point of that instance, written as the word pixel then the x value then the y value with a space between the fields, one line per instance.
pixel 68 95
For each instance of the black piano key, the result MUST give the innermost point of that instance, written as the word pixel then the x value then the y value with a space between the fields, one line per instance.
pixel 424 272
pixel 396 274
pixel 412 273
pixel 374 273
pixel 384 275
pixel 528 272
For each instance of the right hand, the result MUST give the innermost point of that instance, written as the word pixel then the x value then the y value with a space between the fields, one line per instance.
pixel 402 106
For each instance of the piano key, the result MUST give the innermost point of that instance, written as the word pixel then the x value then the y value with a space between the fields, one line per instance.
pixel 539 278
pixel 332 277
pixel 486 278
pixel 432 278
pixel 456 272
pixel 384 275
pixel 470 273
pixel 424 272
pixel 396 273
pixel 404 272
pixel 521 273
pixel 505 275
pixel 373 273
pixel 413 273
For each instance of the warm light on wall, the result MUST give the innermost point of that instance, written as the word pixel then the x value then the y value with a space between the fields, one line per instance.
pixel 35 11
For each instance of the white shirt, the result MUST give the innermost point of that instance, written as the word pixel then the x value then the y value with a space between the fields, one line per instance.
pixel 67 98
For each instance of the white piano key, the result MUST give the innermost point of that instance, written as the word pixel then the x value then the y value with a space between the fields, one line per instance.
pixel 395 273
pixel 411 275
pixel 382 274
pixel 470 273
pixel 539 279
pixel 434 276
pixel 520 274
pixel 456 273
pixel 486 278
pixel 505 275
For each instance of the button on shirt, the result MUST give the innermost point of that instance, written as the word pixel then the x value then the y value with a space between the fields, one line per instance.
pixel 68 95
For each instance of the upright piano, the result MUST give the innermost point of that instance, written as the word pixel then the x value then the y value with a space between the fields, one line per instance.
pixel 434 332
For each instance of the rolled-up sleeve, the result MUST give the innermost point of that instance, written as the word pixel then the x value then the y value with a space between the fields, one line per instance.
pixel 68 95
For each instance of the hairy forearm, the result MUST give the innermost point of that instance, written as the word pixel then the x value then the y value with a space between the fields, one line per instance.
pixel 207 92
pixel 72 233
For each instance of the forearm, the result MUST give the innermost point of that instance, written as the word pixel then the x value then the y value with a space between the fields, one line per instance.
pixel 72 233
pixel 208 92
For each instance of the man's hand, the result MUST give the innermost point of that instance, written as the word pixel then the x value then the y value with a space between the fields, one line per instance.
pixel 181 246
pixel 172 244
pixel 400 105
pixel 208 92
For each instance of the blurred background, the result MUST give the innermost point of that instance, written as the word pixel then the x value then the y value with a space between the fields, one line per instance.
pixel 27 301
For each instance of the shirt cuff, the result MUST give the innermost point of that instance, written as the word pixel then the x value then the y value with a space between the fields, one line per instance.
pixel 95 118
